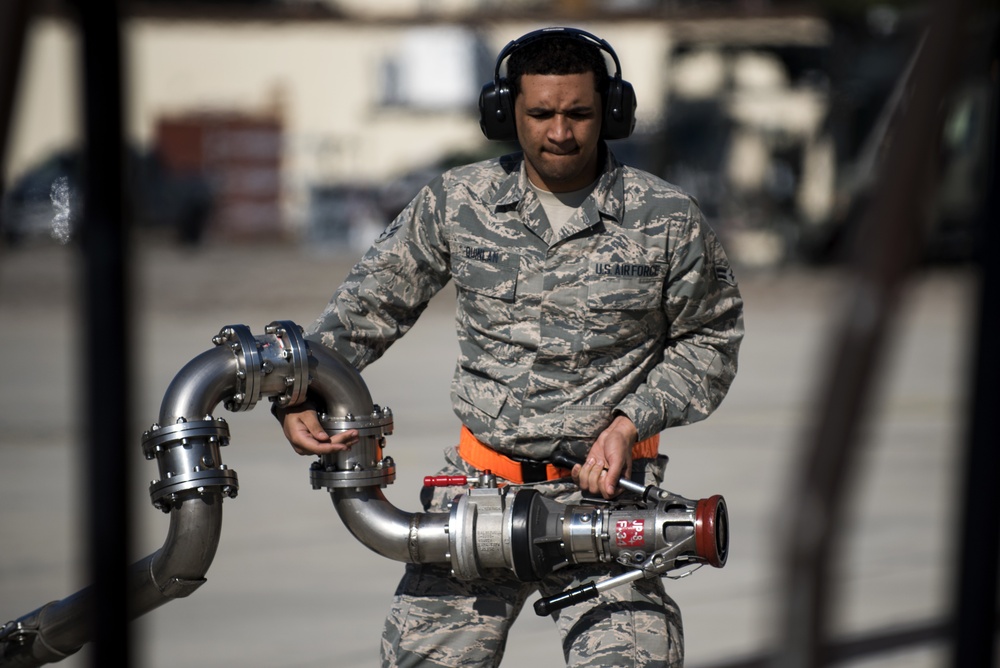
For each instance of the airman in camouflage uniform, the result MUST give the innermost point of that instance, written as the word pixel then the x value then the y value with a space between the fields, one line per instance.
pixel 629 309
pixel 632 308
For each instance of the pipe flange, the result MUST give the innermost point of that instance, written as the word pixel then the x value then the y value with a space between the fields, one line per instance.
pixel 27 635
pixel 329 478
pixel 158 437
pixel 248 374
pixel 294 351
pixel 462 537
pixel 378 423
pixel 165 493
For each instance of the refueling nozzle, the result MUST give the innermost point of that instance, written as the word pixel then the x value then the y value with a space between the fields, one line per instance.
pixel 648 530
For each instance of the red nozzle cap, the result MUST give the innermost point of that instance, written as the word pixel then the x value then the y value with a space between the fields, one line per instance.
pixel 711 530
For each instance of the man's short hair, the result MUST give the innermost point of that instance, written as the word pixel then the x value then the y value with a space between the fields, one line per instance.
pixel 557 55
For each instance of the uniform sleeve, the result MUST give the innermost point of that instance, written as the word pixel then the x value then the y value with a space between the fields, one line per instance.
pixel 704 312
pixel 388 289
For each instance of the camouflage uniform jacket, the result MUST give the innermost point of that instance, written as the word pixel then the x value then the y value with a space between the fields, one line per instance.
pixel 631 309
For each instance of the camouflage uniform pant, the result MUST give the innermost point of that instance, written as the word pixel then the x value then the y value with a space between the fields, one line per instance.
pixel 439 621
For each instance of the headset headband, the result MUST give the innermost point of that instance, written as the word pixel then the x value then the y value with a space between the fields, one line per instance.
pixel 537 35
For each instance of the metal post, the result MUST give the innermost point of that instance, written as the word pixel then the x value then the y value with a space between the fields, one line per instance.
pixel 974 634
pixel 887 253
pixel 13 24
pixel 107 339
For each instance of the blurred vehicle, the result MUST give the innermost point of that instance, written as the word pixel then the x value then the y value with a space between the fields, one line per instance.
pixel 45 203
pixel 343 217
pixel 956 173
pixel 780 137
pixel 353 215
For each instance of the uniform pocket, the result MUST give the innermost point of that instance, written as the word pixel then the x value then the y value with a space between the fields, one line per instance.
pixel 624 294
pixel 486 270
pixel 622 316
pixel 586 422
pixel 486 395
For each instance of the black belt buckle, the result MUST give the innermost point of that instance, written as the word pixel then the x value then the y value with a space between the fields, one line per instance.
pixel 532 470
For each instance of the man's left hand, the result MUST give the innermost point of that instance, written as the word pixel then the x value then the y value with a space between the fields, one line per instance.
pixel 609 458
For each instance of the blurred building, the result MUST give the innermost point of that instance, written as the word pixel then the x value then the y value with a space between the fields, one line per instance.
pixel 238 159
pixel 351 101
pixel 292 109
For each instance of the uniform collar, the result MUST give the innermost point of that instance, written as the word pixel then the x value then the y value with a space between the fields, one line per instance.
pixel 608 195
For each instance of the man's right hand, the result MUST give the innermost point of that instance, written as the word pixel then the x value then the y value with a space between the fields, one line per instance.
pixel 303 430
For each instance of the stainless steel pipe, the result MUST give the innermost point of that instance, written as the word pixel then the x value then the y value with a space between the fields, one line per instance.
pixel 186 442
pixel 487 527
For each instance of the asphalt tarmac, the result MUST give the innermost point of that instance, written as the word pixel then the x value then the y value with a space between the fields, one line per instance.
pixel 291 588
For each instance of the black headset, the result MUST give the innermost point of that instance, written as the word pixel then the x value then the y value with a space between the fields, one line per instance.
pixel 496 101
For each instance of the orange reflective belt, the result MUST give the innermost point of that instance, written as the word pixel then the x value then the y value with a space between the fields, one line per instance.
pixel 483 458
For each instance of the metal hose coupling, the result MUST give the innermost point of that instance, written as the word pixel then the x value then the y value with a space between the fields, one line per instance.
pixel 650 532
pixel 363 465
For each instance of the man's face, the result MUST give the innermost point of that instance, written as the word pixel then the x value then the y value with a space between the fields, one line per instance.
pixel 558 119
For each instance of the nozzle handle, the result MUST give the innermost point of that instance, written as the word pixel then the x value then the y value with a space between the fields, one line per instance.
pixel 445 480
pixel 568 462
pixel 546 606
pixel 565 461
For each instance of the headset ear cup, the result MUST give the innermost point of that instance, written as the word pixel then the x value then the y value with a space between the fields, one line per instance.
pixel 619 110
pixel 496 112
